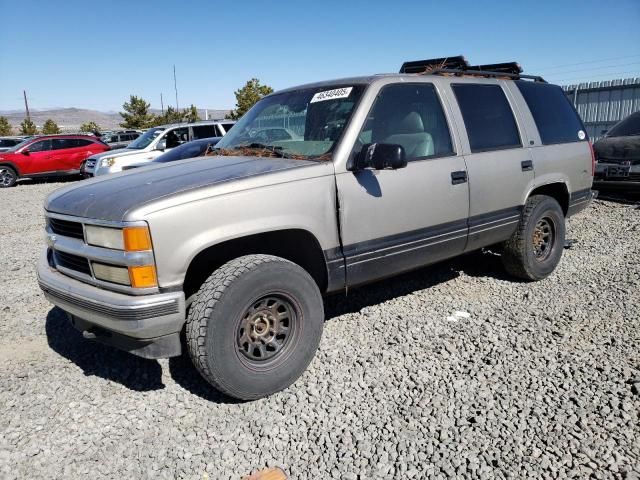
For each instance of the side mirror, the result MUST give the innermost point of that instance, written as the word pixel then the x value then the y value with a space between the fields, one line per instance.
pixel 162 145
pixel 381 156
pixel 26 151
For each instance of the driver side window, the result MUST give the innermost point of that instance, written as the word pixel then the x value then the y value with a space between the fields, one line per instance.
pixel 412 116
pixel 40 146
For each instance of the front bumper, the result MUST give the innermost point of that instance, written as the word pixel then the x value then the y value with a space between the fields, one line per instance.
pixel 146 325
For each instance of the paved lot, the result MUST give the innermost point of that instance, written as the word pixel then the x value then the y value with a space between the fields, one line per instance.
pixel 540 381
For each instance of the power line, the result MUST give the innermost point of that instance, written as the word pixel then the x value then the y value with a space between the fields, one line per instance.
pixel 592 69
pixel 554 67
pixel 612 75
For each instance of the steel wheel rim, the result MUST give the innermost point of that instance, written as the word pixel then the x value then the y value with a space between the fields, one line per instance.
pixel 543 238
pixel 6 177
pixel 266 329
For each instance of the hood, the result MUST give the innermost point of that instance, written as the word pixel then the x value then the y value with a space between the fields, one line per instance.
pixel 620 149
pixel 120 152
pixel 112 196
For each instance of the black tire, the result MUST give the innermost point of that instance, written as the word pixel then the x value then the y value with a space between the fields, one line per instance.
pixel 227 354
pixel 535 248
pixel 8 176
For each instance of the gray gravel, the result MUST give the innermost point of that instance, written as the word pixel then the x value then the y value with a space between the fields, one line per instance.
pixel 541 381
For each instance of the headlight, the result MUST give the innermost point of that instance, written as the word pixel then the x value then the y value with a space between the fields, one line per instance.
pixel 104 237
pixel 107 162
pixel 130 239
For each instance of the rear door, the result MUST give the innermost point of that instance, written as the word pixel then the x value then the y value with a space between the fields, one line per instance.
pixel 500 170
pixel 65 153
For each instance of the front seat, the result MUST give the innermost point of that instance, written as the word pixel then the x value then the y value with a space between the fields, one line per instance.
pixel 408 131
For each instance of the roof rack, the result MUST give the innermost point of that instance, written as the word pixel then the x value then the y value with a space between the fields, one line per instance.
pixel 460 67
pixel 426 66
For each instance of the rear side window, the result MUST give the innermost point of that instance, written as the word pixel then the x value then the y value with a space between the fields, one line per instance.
pixel 487 117
pixel 63 143
pixel 204 131
pixel 227 126
pixel 555 117
pixel 81 142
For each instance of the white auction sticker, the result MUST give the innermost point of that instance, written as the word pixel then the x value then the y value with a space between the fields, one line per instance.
pixel 331 94
pixel 581 134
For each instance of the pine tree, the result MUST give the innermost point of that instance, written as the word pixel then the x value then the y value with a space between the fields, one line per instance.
pixel 247 96
pixel 136 114
pixel 5 126
pixel 27 127
pixel 50 127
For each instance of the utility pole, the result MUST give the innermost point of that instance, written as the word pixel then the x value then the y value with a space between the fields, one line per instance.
pixel 161 103
pixel 26 104
pixel 175 86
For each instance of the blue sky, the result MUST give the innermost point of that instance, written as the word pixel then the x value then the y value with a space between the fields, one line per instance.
pixel 94 54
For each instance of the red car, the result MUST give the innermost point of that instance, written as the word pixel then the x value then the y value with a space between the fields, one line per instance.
pixel 47 156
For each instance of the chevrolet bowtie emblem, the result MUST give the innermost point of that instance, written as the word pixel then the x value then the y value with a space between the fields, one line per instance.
pixel 51 240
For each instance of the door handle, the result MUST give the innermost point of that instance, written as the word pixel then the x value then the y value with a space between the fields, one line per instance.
pixel 527 165
pixel 458 177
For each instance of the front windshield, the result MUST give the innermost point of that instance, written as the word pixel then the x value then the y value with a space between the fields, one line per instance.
pixel 145 139
pixel 303 124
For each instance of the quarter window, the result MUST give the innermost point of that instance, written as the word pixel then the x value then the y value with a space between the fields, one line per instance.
pixel 555 117
pixel 409 115
pixel 487 117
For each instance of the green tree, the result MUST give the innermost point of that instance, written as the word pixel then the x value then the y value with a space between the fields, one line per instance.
pixel 136 114
pixel 50 127
pixel 5 126
pixel 171 115
pixel 90 127
pixel 190 114
pixel 27 127
pixel 247 96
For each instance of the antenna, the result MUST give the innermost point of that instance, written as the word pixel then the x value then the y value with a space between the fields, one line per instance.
pixel 175 86
pixel 26 104
pixel 161 104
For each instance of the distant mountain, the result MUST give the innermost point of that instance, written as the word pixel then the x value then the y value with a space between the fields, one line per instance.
pixel 70 119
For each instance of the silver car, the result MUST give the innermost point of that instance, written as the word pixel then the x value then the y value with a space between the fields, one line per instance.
pixel 386 174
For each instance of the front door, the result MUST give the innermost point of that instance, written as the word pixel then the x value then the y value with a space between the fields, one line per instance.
pixel 396 220
pixel 38 160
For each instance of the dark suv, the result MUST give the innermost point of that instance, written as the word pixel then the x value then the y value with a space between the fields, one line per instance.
pixel 47 156
pixel 618 155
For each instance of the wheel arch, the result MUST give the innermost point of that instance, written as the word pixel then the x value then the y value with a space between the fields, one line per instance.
pixel 557 190
pixel 294 244
pixel 12 165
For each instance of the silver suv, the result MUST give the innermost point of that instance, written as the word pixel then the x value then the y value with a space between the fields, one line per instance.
pixel 383 174
pixel 153 143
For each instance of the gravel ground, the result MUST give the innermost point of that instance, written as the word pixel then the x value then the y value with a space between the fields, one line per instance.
pixel 540 381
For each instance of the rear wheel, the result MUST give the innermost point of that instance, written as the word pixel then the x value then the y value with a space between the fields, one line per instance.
pixel 8 176
pixel 534 250
pixel 255 326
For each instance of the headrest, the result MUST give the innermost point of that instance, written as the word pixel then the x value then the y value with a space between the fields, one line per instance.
pixel 410 123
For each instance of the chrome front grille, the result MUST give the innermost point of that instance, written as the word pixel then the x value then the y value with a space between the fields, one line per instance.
pixel 72 262
pixel 66 228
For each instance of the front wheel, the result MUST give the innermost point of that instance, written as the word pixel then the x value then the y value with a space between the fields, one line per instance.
pixel 535 248
pixel 8 177
pixel 255 325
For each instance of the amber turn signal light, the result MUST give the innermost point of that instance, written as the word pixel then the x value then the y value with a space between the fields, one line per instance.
pixel 136 239
pixel 143 276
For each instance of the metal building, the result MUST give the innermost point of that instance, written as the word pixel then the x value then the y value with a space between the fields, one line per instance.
pixel 603 104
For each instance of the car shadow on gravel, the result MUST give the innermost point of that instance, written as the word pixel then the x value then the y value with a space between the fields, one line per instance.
pixel 474 264
pixel 96 359
pixel 41 180
pixel 135 373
